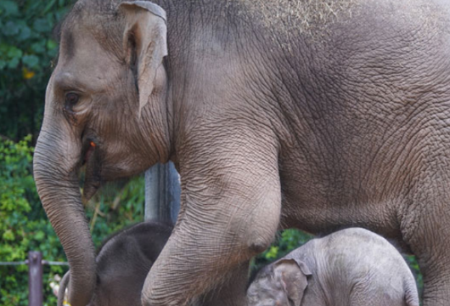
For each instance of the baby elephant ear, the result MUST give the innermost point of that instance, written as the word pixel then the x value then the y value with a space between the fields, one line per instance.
pixel 145 43
pixel 293 275
pixel 302 265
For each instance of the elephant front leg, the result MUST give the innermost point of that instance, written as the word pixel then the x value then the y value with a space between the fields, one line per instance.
pixel 231 292
pixel 426 228
pixel 231 202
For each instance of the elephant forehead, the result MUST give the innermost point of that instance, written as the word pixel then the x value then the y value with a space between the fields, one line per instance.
pixel 87 66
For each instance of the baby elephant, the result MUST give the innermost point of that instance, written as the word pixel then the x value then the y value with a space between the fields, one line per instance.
pixel 352 267
pixel 123 263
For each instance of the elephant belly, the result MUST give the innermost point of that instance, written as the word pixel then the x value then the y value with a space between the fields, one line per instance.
pixel 320 214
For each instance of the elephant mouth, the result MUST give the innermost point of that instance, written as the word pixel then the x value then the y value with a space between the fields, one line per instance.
pixel 91 159
pixel 88 153
pixel 88 148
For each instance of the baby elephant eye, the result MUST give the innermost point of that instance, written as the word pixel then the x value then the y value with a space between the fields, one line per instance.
pixel 71 99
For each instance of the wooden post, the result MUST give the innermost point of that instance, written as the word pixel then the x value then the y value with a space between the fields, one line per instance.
pixel 162 193
pixel 35 278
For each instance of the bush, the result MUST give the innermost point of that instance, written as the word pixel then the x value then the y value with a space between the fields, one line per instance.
pixel 24 226
pixel 26 54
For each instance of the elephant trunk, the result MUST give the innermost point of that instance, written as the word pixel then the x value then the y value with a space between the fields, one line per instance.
pixel 55 173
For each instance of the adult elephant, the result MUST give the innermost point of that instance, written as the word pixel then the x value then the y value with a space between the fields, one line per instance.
pixel 313 114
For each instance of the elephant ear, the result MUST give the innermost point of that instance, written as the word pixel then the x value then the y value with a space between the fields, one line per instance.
pixel 145 42
pixel 293 275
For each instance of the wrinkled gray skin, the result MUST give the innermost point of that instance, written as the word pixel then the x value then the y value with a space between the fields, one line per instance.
pixel 276 113
pixel 352 267
pixel 123 263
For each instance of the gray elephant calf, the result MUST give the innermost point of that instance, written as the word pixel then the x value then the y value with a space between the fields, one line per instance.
pixel 123 263
pixel 348 268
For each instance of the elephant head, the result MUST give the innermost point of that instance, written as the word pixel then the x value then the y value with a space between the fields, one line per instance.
pixel 105 108
pixel 281 283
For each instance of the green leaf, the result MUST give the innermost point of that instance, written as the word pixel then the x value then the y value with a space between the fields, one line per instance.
pixel 30 60
pixel 9 8
pixel 10 29
pixel 12 64
pixel 39 235
pixel 8 235
pixel 51 44
pixel 49 6
pixel 41 25
pixel 272 253
pixel 38 47
pixel 4 48
pixel 25 33
pixel 14 52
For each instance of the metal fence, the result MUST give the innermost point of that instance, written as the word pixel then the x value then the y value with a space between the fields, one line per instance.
pixel 35 268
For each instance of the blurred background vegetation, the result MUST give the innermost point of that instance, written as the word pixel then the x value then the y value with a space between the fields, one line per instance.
pixel 27 54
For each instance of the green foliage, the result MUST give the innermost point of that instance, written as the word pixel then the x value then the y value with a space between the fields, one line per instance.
pixel 285 242
pixel 412 262
pixel 25 227
pixel 26 52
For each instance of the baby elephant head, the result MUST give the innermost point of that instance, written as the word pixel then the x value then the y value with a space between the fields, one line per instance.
pixel 279 284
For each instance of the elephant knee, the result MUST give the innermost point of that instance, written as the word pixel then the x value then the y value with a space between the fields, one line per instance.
pixel 259 236
pixel 258 244
pixel 260 230
pixel 252 238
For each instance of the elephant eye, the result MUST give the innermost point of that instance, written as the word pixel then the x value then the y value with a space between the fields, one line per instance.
pixel 71 99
